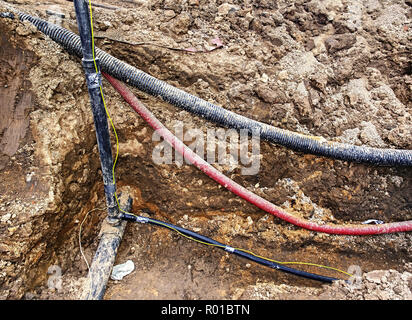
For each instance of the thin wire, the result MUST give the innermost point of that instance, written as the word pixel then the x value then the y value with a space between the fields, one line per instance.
pixel 114 180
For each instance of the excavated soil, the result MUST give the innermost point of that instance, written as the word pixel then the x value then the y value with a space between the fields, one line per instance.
pixel 338 69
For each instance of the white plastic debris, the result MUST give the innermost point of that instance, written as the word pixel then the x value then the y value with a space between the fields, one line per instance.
pixel 122 270
pixel 372 221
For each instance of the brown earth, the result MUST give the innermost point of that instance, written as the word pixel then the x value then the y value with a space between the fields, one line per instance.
pixel 337 69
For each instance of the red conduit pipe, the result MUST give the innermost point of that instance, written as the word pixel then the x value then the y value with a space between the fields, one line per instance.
pixel 237 189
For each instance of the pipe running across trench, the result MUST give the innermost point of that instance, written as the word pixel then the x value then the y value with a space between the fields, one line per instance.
pixel 237 189
pixel 221 116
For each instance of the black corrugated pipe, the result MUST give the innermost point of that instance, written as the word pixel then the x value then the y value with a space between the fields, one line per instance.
pixel 219 115
pixel 94 79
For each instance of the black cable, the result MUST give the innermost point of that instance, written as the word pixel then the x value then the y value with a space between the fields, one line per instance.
pixel 203 239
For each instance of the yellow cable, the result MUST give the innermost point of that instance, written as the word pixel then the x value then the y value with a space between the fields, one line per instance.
pixel 169 227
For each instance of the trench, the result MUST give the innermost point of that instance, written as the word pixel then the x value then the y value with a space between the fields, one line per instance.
pixel 168 266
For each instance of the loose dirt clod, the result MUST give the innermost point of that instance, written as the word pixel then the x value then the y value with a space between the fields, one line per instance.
pixel 336 69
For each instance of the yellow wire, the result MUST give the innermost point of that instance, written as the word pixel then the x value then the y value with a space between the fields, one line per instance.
pixel 169 227
pixel 105 107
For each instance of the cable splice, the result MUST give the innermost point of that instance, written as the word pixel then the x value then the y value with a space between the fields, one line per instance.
pixel 295 141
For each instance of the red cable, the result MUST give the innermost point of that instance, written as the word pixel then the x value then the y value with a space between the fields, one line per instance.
pixel 237 189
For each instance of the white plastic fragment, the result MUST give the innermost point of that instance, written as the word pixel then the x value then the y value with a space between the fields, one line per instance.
pixel 122 270
pixel 372 221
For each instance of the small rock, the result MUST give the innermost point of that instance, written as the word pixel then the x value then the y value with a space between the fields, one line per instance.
pixel 264 78
pixel 169 14
pixel 23 31
pixel 266 94
pixel 351 136
pixel 309 44
pixel 282 75
pixel 129 19
pixel 181 23
pixel 6 217
pixel 398 289
pixel 400 136
pixel 370 135
pixel 29 296
pixel 29 176
pixel 104 25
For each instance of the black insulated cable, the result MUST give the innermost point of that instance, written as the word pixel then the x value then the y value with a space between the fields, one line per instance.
pixel 93 79
pixel 203 239
pixel 295 141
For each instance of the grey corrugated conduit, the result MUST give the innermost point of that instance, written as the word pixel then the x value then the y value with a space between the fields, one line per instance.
pixel 295 141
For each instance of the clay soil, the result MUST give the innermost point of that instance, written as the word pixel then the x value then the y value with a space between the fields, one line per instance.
pixel 338 69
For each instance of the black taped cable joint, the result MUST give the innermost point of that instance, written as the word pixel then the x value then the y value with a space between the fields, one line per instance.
pixel 91 66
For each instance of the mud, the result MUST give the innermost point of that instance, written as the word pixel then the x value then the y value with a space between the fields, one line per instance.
pixel 337 69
